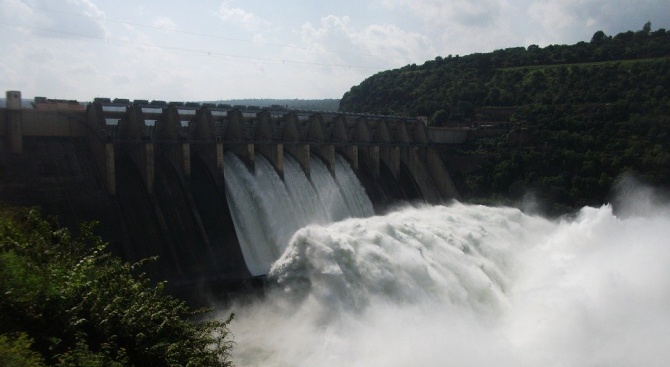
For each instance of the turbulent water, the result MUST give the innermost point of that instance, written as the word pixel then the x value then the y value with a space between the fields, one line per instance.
pixel 267 210
pixel 464 285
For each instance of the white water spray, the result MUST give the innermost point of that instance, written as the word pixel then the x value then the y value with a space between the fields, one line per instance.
pixel 465 285
pixel 267 210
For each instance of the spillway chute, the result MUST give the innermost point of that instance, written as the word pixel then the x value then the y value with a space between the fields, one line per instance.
pixel 268 209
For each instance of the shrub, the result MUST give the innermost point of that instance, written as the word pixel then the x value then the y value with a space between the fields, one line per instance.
pixel 81 306
pixel 15 352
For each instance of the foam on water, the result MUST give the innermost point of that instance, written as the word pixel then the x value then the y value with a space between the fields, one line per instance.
pixel 267 209
pixel 466 285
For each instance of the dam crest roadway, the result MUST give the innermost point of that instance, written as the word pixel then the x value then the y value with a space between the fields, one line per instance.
pixel 366 141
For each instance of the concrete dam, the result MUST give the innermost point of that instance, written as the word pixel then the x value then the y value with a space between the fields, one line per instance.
pixel 214 191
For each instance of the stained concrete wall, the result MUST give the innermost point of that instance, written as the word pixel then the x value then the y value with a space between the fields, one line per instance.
pixel 447 135
pixel 159 190
pixel 58 169
pixel 366 143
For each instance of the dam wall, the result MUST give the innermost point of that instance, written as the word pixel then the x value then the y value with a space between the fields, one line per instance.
pixel 154 176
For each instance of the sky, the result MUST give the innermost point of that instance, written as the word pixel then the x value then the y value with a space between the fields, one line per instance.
pixel 179 50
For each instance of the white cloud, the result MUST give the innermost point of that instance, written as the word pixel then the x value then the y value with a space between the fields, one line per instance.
pixel 476 13
pixel 466 26
pixel 15 12
pixel 165 23
pixel 393 42
pixel 461 26
pixel 240 17
pixel 551 16
pixel 67 48
pixel 374 45
pixel 66 19
pixel 55 68
pixel 579 19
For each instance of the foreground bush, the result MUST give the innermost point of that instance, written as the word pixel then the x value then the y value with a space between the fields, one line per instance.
pixel 67 302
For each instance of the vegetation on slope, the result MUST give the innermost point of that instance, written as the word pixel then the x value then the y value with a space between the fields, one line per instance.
pixel 67 302
pixel 516 76
pixel 587 113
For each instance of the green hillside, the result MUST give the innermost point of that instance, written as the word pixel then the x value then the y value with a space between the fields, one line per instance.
pixel 577 117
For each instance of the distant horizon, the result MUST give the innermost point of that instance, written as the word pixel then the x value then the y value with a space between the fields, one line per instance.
pixel 27 102
pixel 3 99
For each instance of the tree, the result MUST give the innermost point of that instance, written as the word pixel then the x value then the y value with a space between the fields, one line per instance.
pixel 15 351
pixel 598 38
pixel 612 94
pixel 75 304
pixel 440 117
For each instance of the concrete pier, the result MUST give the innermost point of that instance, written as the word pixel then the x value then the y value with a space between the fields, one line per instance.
pixel 154 173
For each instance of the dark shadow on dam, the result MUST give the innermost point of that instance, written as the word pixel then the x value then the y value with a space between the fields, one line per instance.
pixel 187 225
pixel 212 205
pixel 388 192
pixel 158 190
pixel 146 235
pixel 408 185
pixel 59 176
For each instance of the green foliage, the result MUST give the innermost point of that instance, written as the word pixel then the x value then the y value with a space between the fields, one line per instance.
pixel 601 71
pixel 588 112
pixel 575 157
pixel 440 117
pixel 15 352
pixel 83 307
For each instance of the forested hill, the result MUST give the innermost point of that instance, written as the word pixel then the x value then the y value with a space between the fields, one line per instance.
pixel 576 118
pixel 604 70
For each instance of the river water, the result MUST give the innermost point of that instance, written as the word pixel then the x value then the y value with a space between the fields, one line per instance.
pixel 467 285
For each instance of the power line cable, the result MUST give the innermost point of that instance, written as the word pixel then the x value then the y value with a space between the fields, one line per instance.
pixel 47 10
pixel 190 51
